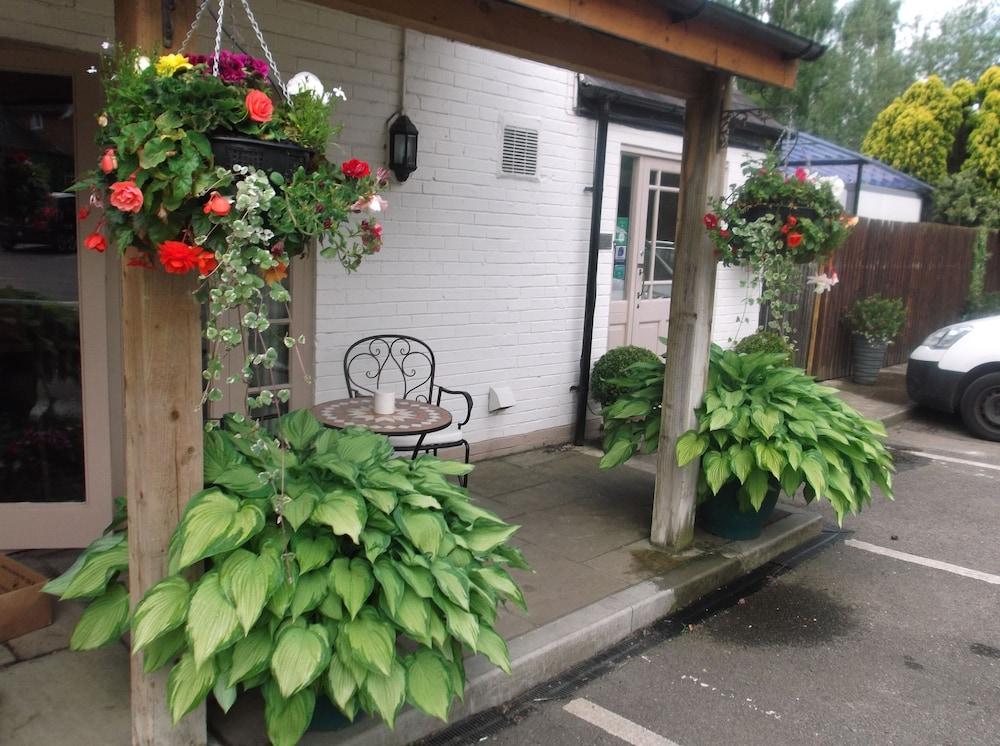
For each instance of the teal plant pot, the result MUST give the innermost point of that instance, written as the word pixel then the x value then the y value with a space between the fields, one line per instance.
pixel 720 514
pixel 327 717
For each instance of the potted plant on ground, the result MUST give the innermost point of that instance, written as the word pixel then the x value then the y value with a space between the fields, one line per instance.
pixel 873 322
pixel 613 364
pixel 332 569
pixel 775 221
pixel 763 428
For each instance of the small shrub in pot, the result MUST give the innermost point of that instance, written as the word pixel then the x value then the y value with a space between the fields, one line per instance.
pixel 612 365
pixel 873 321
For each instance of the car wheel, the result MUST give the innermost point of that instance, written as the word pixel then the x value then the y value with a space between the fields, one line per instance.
pixel 980 406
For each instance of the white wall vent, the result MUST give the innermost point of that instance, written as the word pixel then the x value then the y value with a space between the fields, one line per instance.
pixel 520 151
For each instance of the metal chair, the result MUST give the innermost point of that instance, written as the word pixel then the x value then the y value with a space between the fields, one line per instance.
pixel 403 362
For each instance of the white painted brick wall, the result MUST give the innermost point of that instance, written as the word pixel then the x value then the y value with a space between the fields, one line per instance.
pixel 489 270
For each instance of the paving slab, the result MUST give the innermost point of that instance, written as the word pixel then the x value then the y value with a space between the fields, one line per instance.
pixel 65 615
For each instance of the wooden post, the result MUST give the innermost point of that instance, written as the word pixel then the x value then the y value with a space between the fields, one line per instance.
pixel 161 332
pixel 691 308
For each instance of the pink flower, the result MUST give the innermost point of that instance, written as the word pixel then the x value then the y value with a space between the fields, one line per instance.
pixel 801 174
pixel 217 205
pixel 372 203
pixel 109 161
pixel 96 242
pixel 711 221
pixel 382 176
pixel 126 196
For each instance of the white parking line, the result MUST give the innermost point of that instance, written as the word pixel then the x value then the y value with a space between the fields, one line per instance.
pixel 953 460
pixel 616 725
pixel 917 560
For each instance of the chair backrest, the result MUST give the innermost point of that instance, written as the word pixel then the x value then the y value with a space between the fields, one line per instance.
pixel 390 361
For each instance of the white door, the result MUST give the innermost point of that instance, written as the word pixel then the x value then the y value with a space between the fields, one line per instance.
pixel 640 317
pixel 60 464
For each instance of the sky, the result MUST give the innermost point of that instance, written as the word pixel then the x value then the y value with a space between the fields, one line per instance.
pixel 926 9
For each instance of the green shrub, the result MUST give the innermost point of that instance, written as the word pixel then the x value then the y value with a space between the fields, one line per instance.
pixel 604 388
pixel 331 568
pixel 988 304
pixel 877 319
pixel 765 341
pixel 763 425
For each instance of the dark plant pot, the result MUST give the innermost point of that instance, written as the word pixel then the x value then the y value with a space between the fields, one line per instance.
pixel 720 514
pixel 867 359
pixel 284 157
pixel 755 212
pixel 327 717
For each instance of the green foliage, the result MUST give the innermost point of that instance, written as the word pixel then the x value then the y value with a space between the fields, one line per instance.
pixel 875 318
pixel 984 132
pixel 962 43
pixel 765 341
pixel 632 422
pixel 614 364
pixel 979 303
pixel 763 424
pixel 964 199
pixel 369 595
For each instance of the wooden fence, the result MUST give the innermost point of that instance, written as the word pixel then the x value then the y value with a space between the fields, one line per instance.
pixel 926 264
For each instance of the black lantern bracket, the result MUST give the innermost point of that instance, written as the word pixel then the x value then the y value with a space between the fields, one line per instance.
pixel 403 136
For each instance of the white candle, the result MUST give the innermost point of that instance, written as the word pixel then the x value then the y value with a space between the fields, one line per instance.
pixel 385 401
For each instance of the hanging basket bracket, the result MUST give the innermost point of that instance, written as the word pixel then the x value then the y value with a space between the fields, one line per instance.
pixel 167 8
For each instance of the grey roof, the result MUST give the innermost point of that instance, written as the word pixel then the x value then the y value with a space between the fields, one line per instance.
pixel 815 152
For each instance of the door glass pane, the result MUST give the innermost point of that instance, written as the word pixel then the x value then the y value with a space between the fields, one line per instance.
pixel 41 409
pixel 670 179
pixel 619 239
pixel 666 227
pixel 648 241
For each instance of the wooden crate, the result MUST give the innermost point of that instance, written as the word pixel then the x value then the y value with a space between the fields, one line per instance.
pixel 23 606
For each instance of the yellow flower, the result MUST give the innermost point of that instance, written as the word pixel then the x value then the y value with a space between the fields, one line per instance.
pixel 169 64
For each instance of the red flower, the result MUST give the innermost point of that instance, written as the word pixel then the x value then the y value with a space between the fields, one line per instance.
pixel 711 221
pixel 207 263
pixel 217 205
pixel 83 213
pixel 355 169
pixel 794 239
pixel 277 273
pixel 109 162
pixel 792 220
pixel 785 229
pixel 178 258
pixel 801 174
pixel 724 233
pixel 259 106
pixel 96 242
pixel 126 196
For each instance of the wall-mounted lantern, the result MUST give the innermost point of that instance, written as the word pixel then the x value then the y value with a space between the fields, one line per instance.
pixel 402 147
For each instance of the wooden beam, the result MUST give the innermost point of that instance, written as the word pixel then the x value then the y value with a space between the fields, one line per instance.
pixel 524 32
pixel 691 306
pixel 643 22
pixel 161 332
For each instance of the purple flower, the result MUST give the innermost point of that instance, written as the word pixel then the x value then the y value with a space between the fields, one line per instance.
pixel 197 59
pixel 260 67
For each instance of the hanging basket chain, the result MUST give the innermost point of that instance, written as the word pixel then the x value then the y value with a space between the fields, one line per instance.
pixel 194 26
pixel 265 49
pixel 218 38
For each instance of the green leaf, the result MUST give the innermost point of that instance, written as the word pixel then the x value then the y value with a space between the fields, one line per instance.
pixel 387 693
pixel 766 420
pixel 460 623
pixel 412 613
pixel 287 719
pixel 297 510
pixel 716 468
pixel 419 579
pixel 245 579
pixel 300 655
pixel 388 480
pixel 756 487
pixel 57 586
pixel 200 142
pixel 353 581
pixel 447 468
pixel 690 446
pixel 453 583
pixel 721 418
pixel 790 480
pixel 103 621
pixel 155 152
pixel 188 685
pixel 769 458
pixel 420 501
pixel 384 500
pixel 485 538
pixel 224 694
pixel 337 466
pixel 251 655
pixel 332 607
pixel 310 591
pixel 493 646
pixel 163 607
pixel 424 528
pixel 362 447
pixel 313 552
pixel 372 641
pixel 814 469
pixel 427 683
pixel 741 460
pixel 340 682
pixel 344 512
pixel 803 429
pixel 244 480
pixel 375 543
pixel 299 428
pixel 391 582
pixel 624 409
pixel 163 650
pixel 498 579
pixel 92 577
pixel 212 623
pixel 619 452
pixel 213 523
pixel 219 454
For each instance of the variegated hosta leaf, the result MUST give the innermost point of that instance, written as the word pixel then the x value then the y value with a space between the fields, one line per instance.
pixel 213 522
pixel 300 656
pixel 164 607
pixel 212 623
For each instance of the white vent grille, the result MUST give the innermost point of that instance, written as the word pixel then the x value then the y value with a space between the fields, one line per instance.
pixel 520 151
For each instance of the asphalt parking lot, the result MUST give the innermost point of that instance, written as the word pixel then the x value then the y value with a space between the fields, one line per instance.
pixel 888 634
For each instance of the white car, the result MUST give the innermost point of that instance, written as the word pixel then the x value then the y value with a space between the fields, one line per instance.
pixel 957 369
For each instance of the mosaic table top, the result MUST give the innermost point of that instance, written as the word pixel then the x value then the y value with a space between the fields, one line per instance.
pixel 410 418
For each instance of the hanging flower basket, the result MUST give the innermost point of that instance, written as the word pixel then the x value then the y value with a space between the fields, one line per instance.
pixel 782 212
pixel 285 158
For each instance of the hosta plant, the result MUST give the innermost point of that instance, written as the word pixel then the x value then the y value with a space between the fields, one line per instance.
pixel 764 425
pixel 331 568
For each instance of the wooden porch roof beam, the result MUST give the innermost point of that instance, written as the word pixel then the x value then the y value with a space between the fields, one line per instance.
pixel 524 32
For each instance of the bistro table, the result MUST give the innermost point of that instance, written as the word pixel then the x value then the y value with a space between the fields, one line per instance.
pixel 410 418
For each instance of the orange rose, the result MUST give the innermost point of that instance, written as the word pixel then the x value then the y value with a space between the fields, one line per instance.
pixel 217 205
pixel 207 263
pixel 96 242
pixel 277 273
pixel 259 106
pixel 109 162
pixel 126 196
pixel 177 257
